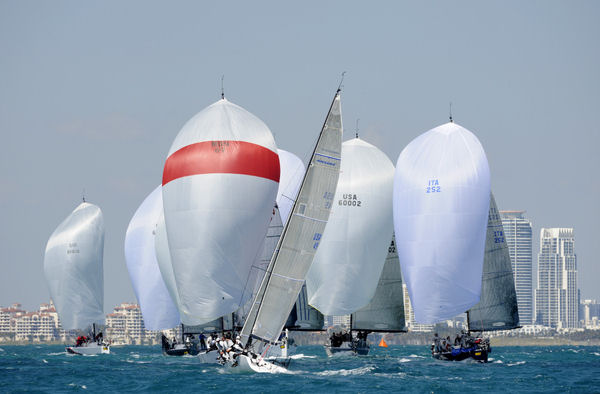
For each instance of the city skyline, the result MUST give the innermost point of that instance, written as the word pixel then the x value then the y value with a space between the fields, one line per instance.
pixel 83 106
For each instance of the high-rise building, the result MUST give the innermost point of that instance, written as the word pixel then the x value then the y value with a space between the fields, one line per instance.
pixel 556 297
pixel 518 236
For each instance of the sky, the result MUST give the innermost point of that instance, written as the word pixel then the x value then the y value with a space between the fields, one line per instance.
pixel 92 95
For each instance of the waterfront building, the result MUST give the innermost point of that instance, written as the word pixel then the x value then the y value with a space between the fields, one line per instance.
pixel 518 236
pixel 557 295
pixel 126 326
pixel 589 314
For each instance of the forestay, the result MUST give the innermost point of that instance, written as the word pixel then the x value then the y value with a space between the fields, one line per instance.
pixel 301 236
pixel 219 185
pixel 385 312
pixel 441 201
pixel 348 264
pixel 73 267
pixel 497 309
pixel 158 309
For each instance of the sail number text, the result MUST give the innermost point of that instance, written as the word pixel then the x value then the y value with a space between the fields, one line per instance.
pixel 219 146
pixel 433 186
pixel 498 237
pixel 350 200
pixel 72 248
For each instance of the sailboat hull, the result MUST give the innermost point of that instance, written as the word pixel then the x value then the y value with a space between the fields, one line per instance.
pixel 347 348
pixel 89 349
pixel 246 364
pixel 475 353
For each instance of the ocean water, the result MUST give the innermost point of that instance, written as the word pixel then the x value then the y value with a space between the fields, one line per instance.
pixel 395 369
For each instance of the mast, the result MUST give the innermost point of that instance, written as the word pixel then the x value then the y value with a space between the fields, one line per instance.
pixel 182 330
pixel 94 330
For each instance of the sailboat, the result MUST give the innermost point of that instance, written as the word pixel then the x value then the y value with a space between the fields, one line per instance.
pixel 220 180
pixel 74 273
pixel 348 266
pixel 497 308
pixel 450 237
pixel 295 250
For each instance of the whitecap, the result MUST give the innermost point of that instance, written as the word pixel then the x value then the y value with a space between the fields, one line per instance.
pixel 56 354
pixel 498 362
pixel 596 354
pixel 404 360
pixel 44 360
pixel 1 350
pixel 300 356
pixel 347 372
pixel 517 363
pixel 415 356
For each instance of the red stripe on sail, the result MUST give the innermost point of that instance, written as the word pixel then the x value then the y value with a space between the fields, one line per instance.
pixel 222 157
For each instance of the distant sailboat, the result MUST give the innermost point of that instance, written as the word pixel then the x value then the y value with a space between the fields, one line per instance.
pixel 74 273
pixel 347 271
pixel 295 251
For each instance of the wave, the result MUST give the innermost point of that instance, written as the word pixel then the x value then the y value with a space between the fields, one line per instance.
pixel 1 350
pixel 404 360
pixel 498 362
pixel 45 361
pixel 517 363
pixel 83 386
pixel 415 356
pixel 347 372
pixel 596 354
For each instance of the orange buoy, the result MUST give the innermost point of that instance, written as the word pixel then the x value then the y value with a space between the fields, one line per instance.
pixel 382 343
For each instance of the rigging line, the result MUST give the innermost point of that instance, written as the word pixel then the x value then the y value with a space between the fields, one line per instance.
pixel 341 80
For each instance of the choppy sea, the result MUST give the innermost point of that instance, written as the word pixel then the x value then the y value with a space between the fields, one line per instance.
pixel 395 369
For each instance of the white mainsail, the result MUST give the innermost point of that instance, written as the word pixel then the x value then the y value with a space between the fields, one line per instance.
pixel 219 184
pixel 441 201
pixel 301 236
pixel 73 267
pixel 158 309
pixel 348 264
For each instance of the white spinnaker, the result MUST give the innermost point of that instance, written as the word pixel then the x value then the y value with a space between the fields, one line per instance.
pixel 292 173
pixel 73 267
pixel 441 202
pixel 219 184
pixel 163 258
pixel 158 309
pixel 351 256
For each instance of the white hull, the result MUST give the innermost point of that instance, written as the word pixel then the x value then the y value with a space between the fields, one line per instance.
pixel 246 364
pixel 89 349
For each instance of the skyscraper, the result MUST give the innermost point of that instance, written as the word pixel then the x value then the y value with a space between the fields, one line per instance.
pixel 556 298
pixel 518 235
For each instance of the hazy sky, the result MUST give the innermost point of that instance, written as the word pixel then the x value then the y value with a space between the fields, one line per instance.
pixel 93 93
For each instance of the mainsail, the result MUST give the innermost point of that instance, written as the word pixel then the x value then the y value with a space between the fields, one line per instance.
pixel 385 312
pixel 73 267
pixel 219 184
pixel 441 202
pixel 347 267
pixel 158 309
pixel 497 309
pixel 301 236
